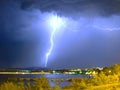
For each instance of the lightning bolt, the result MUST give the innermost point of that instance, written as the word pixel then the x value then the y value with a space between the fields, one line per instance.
pixel 51 47
pixel 54 24
pixel 106 28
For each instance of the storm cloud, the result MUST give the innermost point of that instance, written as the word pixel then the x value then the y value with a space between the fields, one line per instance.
pixel 91 37
pixel 75 8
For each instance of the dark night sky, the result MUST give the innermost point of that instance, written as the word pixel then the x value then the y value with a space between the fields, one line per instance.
pixel 24 38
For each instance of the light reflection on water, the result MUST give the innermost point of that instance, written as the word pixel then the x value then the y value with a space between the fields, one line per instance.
pixel 56 78
pixel 63 76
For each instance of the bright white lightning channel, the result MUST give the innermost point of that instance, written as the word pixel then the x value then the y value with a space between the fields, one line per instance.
pixel 55 24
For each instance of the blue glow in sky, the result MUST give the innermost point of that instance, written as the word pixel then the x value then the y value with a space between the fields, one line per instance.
pixel 57 24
